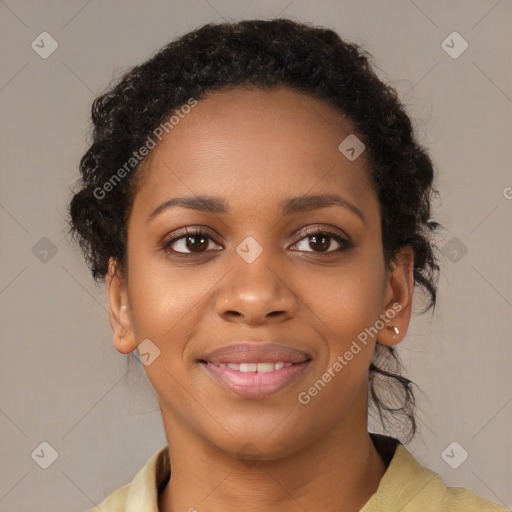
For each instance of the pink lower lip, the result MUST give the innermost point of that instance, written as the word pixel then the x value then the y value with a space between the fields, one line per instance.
pixel 254 384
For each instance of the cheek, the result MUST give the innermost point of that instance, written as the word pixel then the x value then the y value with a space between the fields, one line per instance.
pixel 344 315
pixel 164 304
pixel 168 304
pixel 347 304
pixel 162 298
pixel 347 299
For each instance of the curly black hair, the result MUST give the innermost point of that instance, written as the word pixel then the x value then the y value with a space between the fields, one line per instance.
pixel 279 52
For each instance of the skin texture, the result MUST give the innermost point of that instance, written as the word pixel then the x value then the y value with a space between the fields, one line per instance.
pixel 254 148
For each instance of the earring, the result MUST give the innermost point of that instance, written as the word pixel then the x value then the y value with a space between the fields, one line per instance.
pixel 395 330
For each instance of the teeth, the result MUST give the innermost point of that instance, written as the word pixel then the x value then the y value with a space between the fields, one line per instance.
pixel 256 367
pixel 248 367
pixel 265 367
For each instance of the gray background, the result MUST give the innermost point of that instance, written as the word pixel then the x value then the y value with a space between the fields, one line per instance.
pixel 62 380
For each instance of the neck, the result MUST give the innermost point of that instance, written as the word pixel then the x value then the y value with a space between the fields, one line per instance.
pixel 340 472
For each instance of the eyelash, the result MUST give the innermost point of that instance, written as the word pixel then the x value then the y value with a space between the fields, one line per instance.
pixel 309 232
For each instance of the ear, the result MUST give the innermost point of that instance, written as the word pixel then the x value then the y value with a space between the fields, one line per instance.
pixel 398 298
pixel 119 310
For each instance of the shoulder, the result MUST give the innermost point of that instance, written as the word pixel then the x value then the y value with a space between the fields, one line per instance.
pixel 409 487
pixel 429 493
pixel 458 498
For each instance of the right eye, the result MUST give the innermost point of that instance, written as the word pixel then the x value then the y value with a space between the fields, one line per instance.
pixel 196 241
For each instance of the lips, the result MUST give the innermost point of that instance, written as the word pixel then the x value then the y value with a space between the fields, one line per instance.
pixel 256 370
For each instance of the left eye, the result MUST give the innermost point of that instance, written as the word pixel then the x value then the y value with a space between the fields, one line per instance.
pixel 321 241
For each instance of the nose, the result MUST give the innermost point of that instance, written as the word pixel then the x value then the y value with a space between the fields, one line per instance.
pixel 255 293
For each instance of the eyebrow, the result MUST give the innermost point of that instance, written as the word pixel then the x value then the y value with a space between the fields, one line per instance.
pixel 287 206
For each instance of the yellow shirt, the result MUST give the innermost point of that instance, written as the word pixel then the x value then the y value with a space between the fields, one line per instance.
pixel 406 487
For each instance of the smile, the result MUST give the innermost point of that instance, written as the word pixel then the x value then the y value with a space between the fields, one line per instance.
pixel 255 380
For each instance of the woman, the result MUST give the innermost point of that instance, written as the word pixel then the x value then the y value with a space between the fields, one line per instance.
pixel 259 209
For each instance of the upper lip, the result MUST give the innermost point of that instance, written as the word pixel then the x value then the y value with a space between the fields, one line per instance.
pixel 256 352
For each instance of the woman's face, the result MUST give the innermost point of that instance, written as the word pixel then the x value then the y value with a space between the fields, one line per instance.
pixel 258 275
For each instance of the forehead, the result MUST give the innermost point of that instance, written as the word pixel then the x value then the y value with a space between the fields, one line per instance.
pixel 261 143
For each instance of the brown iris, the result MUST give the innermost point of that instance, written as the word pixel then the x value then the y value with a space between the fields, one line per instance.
pixel 203 242
pixel 325 240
